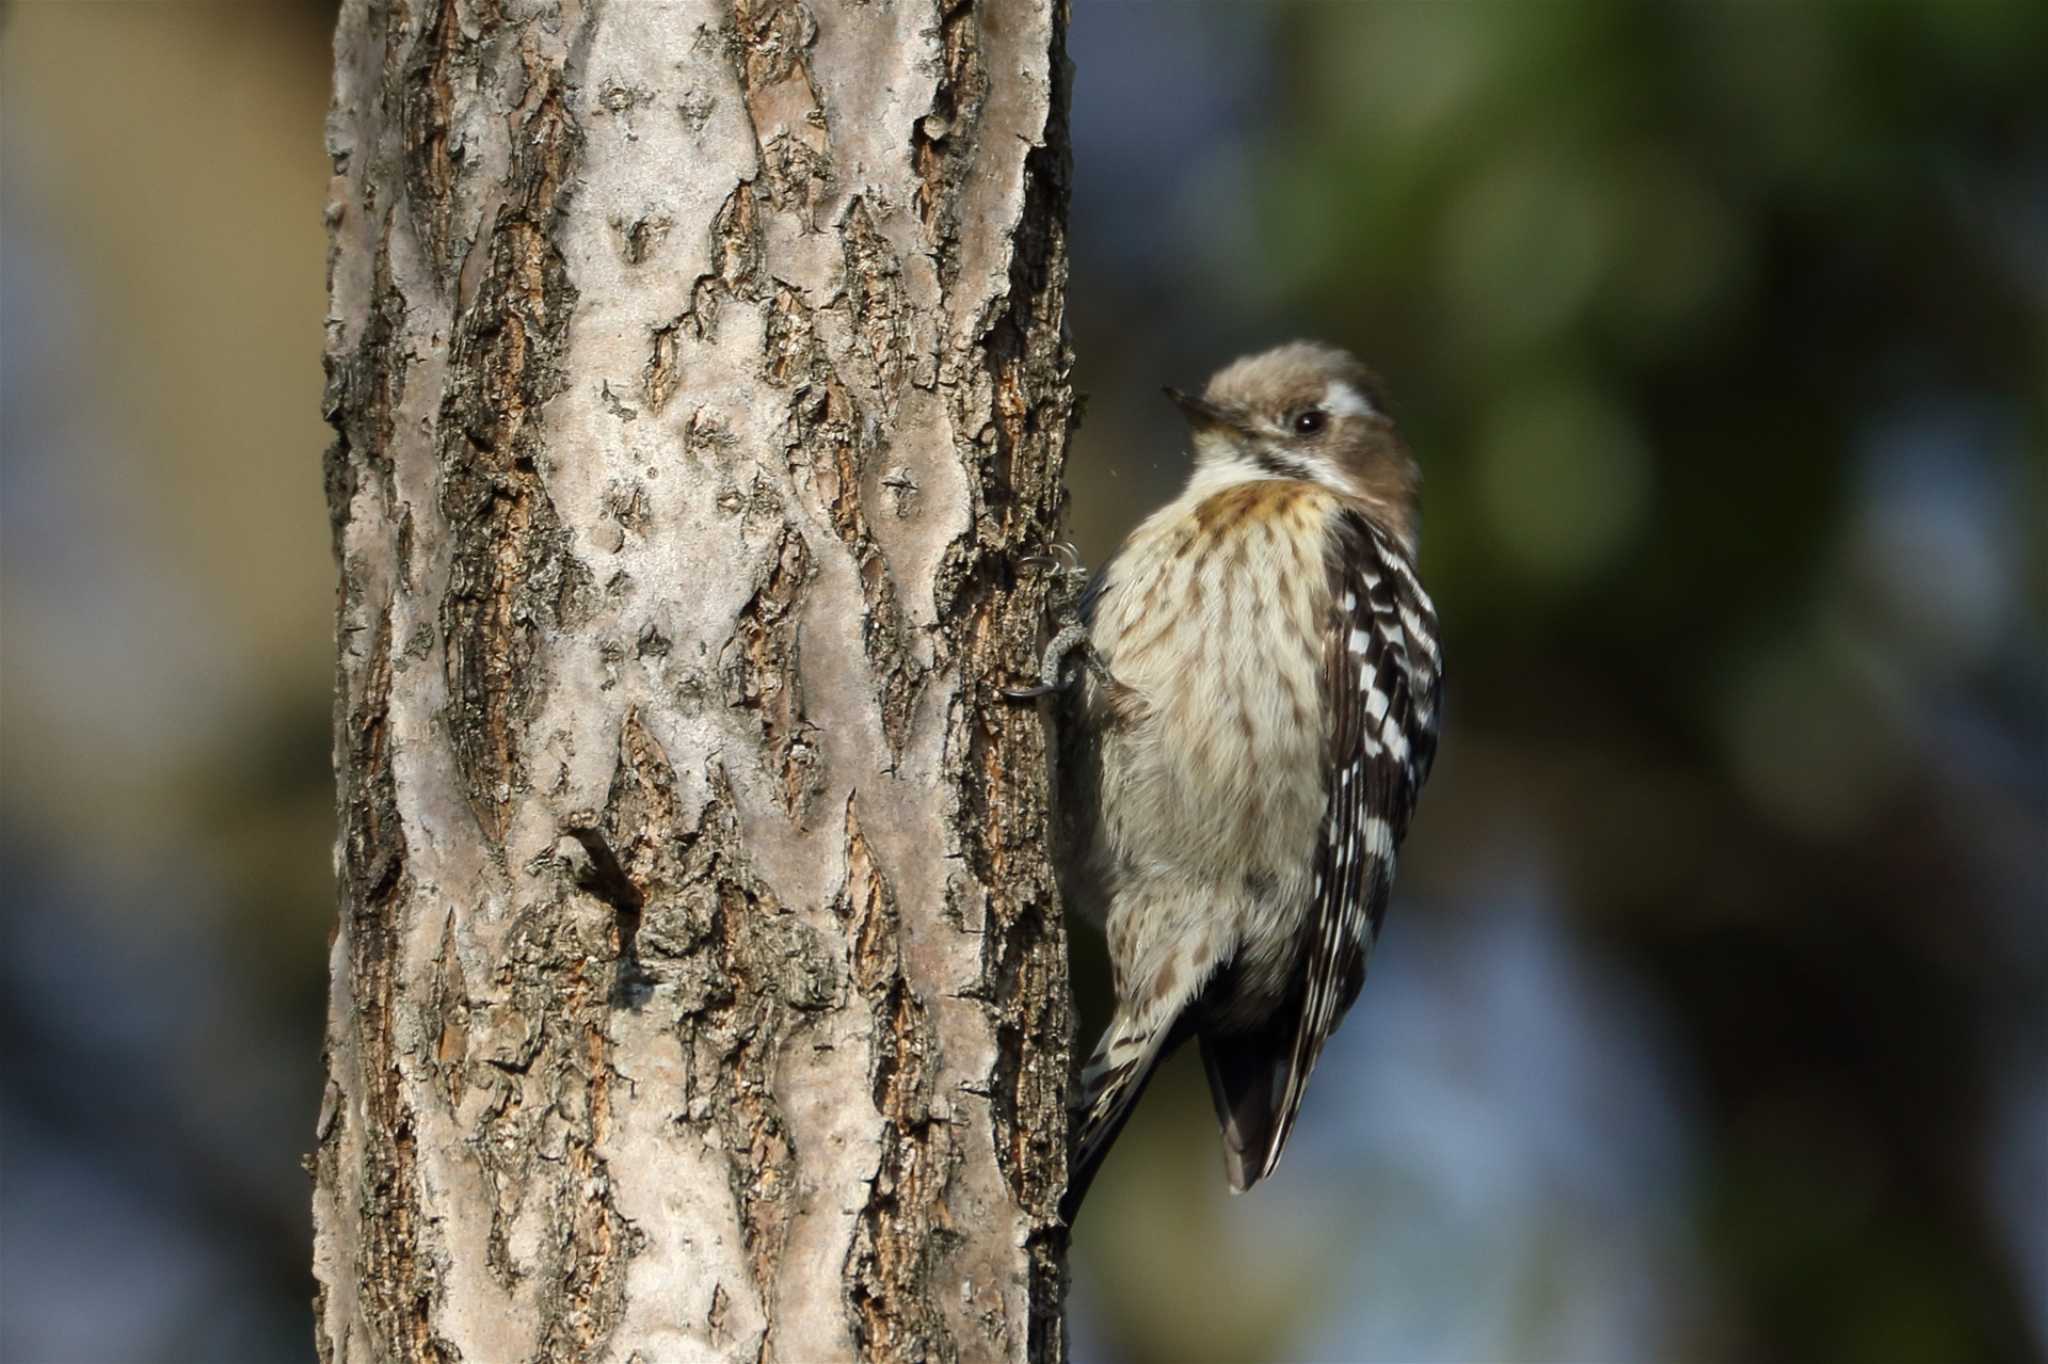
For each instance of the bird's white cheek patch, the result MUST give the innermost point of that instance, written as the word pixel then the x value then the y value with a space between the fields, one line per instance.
pixel 1342 400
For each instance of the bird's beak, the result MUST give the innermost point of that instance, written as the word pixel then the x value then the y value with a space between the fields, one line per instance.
pixel 1202 414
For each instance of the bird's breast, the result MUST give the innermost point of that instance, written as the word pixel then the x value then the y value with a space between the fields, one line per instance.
pixel 1212 620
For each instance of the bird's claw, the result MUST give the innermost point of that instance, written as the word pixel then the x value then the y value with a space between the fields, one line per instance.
pixel 1063 561
pixel 1060 556
pixel 1052 671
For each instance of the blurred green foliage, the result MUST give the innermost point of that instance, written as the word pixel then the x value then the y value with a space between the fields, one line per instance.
pixel 1719 331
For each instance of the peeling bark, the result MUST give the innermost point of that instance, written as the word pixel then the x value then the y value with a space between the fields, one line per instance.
pixel 698 382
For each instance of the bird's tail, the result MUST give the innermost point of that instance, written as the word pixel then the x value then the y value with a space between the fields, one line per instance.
pixel 1111 1083
pixel 1248 1074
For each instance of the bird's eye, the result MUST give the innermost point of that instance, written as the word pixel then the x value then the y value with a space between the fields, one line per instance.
pixel 1309 422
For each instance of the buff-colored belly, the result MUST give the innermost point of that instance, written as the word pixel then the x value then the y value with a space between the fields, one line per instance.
pixel 1212 766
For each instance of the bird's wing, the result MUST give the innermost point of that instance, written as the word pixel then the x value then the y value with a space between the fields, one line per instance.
pixel 1384 683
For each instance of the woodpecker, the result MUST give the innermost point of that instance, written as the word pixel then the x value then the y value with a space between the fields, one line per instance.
pixel 1240 760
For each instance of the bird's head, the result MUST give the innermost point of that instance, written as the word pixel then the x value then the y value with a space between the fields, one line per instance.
pixel 1312 412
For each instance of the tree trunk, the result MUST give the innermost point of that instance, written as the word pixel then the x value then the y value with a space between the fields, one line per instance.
pixel 699 990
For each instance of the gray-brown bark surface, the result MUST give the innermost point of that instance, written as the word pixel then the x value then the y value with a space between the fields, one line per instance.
pixel 698 379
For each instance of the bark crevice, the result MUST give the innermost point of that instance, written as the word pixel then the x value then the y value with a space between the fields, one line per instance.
pixel 511 573
pixel 903 1231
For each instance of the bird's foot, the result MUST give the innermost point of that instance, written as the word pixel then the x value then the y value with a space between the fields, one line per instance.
pixel 1063 562
pixel 1052 669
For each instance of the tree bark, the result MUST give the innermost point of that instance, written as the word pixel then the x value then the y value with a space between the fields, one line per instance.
pixel 699 382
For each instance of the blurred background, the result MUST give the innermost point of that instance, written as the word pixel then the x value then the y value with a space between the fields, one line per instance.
pixel 1711 1021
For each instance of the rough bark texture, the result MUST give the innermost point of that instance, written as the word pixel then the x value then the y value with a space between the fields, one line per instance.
pixel 698 380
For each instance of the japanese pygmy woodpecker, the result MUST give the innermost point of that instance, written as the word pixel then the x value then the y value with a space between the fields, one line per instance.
pixel 1239 762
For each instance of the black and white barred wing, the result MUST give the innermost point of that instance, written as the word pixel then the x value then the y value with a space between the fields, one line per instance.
pixel 1384 680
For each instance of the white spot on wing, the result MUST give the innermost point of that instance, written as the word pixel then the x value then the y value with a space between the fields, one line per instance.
pixel 1412 623
pixel 1379 837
